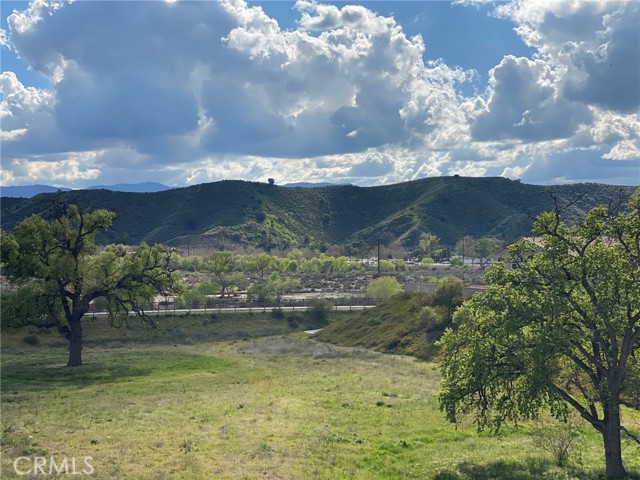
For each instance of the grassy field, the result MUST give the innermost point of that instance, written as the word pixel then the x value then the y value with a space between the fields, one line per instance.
pixel 249 397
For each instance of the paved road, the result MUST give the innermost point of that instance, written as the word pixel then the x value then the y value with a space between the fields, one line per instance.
pixel 181 311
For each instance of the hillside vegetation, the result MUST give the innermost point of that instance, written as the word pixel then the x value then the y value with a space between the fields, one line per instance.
pixel 228 214
pixel 406 324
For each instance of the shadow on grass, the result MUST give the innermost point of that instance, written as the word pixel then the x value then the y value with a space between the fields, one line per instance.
pixel 532 469
pixel 47 371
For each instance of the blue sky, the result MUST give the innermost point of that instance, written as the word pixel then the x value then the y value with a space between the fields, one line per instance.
pixel 369 93
pixel 441 24
pixel 10 61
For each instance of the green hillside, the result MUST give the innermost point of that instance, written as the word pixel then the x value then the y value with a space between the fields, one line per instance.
pixel 404 325
pixel 234 213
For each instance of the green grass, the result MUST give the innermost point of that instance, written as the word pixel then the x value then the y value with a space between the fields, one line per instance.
pixel 48 370
pixel 397 326
pixel 179 329
pixel 276 407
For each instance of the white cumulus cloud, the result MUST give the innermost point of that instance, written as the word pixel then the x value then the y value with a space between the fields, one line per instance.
pixel 183 92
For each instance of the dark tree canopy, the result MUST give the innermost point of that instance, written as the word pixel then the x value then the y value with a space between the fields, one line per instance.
pixel 59 272
pixel 560 331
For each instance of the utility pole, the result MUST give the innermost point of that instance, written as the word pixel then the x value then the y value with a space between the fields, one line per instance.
pixel 463 266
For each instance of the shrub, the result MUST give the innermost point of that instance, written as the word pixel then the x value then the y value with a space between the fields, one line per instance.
pixel 383 287
pixel 31 339
pixel 277 313
pixel 319 311
pixel 449 294
pixel 557 437
pixel 456 262
pixel 261 293
pixel 211 319
pixel 196 296
pixel 387 266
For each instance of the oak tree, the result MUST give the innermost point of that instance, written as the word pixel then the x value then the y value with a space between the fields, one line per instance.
pixel 560 331
pixel 60 272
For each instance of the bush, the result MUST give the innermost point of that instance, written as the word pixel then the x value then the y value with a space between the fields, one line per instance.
pixel 319 312
pixel 196 296
pixel 456 262
pixel 387 266
pixel 213 318
pixel 294 321
pixel 277 313
pixel 384 287
pixel 261 293
pixel 449 294
pixel 31 339
pixel 557 437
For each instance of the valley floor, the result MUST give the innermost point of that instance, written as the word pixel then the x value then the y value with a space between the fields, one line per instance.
pixel 270 403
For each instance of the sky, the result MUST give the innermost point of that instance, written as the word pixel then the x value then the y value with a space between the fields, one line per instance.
pixel 368 93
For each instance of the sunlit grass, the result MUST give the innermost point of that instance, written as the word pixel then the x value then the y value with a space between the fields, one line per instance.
pixel 282 407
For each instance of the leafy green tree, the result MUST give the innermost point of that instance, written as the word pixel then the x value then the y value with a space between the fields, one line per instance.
pixel 340 264
pixel 466 247
pixel 275 287
pixel 230 283
pixel 60 271
pixel 283 285
pixel 562 330
pixel 484 248
pixel 383 287
pixel 295 261
pixel 197 295
pixel 313 265
pixel 327 263
pixel 224 268
pixel 262 264
pixel 190 263
pixel 262 292
pixel 428 245
pixel 449 295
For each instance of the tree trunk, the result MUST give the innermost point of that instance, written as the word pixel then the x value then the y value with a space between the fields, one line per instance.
pixel 612 446
pixel 75 344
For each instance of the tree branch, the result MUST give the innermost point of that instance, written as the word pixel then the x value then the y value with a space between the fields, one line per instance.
pixel 584 413
pixel 630 434
pixel 634 406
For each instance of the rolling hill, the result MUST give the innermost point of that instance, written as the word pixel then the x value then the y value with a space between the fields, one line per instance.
pixel 235 213
pixel 28 191
pixel 403 325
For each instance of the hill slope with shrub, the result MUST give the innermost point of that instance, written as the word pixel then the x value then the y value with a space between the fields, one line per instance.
pixel 235 213
pixel 406 324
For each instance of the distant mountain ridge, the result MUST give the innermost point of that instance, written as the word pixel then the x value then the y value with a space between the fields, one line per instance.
pixel 28 191
pixel 143 187
pixel 315 185
pixel 231 214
